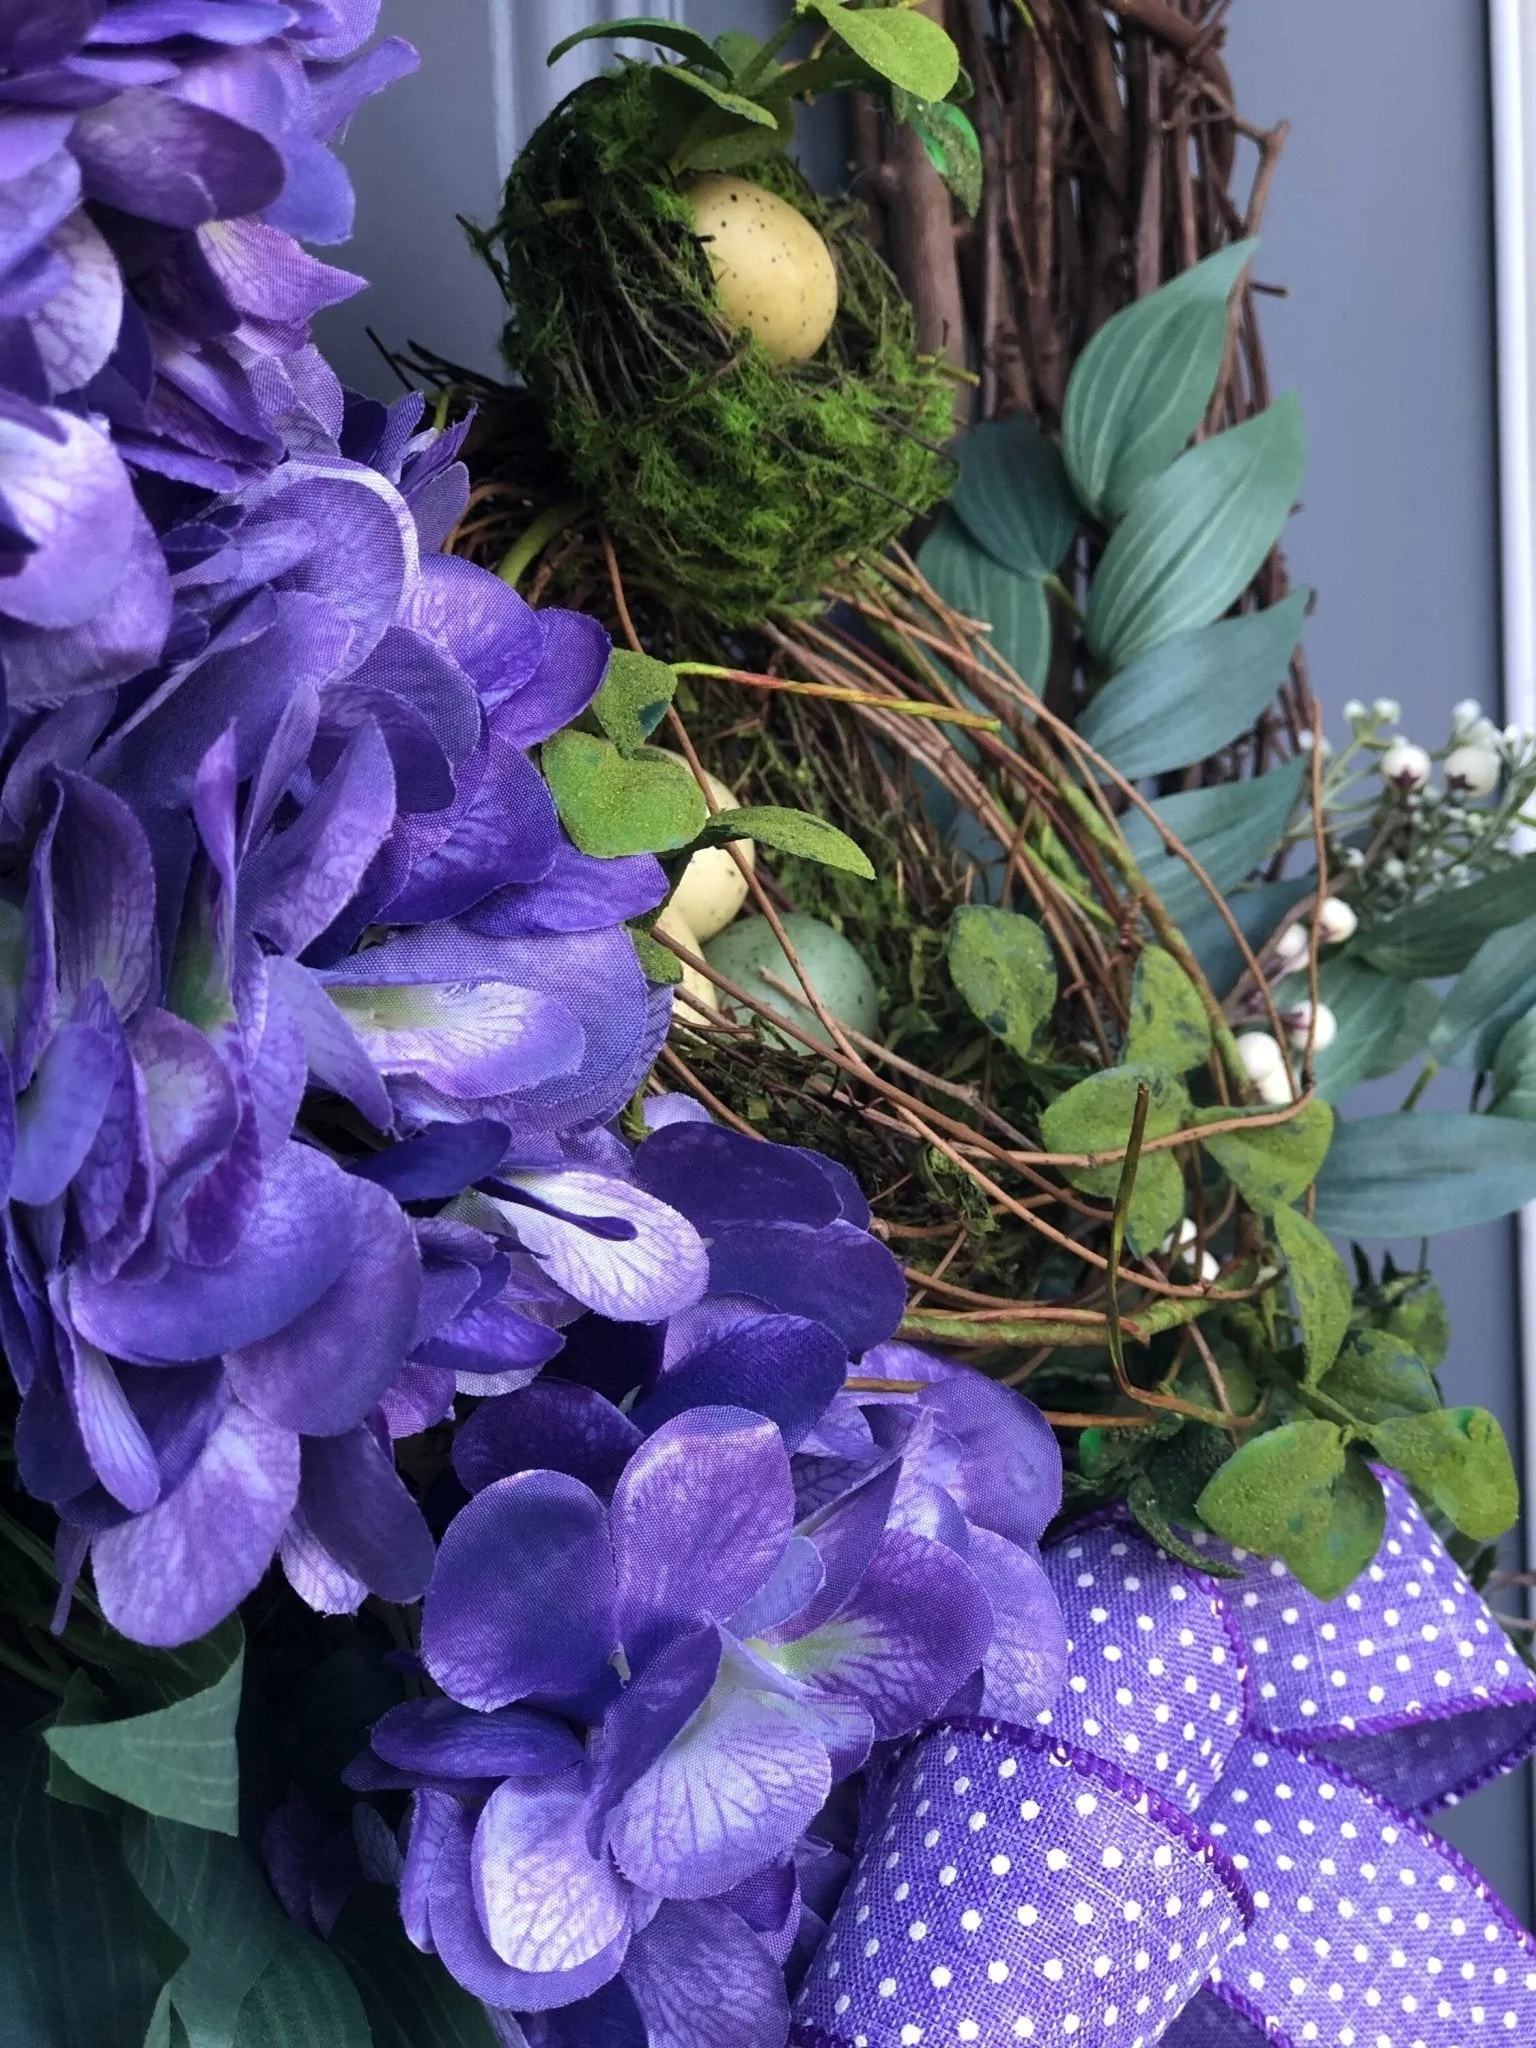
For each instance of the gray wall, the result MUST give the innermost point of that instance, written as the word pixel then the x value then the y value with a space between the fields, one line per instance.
pixel 1380 227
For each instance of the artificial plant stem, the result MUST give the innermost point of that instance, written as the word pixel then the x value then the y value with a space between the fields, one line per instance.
pixel 1425 1075
pixel 534 539
pixel 909 707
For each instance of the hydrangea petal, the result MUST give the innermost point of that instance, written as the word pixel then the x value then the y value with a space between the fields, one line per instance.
pixel 314 1574
pixel 104 898
pixel 783 1367
pixel 547 1903
pixel 702 1979
pixel 471 1039
pixel 442 1739
pixel 121 1455
pixel 652 1710
pixel 58 1116
pixel 165 160
pixel 837 1275
pixel 302 880
pixel 490 1636
pixel 721 1179
pixel 661 1267
pixel 1026 1661
pixel 552 1425
pixel 70 494
pixel 170 1575
pixel 358 1506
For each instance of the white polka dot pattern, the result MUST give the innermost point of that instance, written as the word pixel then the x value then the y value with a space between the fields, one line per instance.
pixel 1019 1891
pixel 1154 1680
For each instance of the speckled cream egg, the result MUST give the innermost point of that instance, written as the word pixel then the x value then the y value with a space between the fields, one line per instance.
pixel 773 272
pixel 672 925
pixel 840 978
pixel 712 888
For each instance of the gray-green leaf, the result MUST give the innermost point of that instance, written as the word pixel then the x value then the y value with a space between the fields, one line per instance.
pixel 1168 1024
pixel 1013 495
pixel 1229 829
pixel 1141 386
pixel 974 583
pixel 1497 987
pixel 1192 695
pixel 1319 1286
pixel 1440 935
pixel 1514 1071
pixel 1274 1163
pixel 1002 964
pixel 797 832
pixel 410 1999
pixel 1370 1010
pixel 1417 1174
pixel 1193 537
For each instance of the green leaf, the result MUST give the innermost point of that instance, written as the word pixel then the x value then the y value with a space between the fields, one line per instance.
pixel 1013 496
pixel 1319 1286
pixel 78 1960
pixel 725 143
pixel 1275 1495
pixel 1370 1010
pixel 1095 1116
pixel 907 49
pixel 81 1705
pixel 1417 1174
pixel 1440 935
pixel 950 143
pixel 1190 696
pixel 1458 1457
pixel 733 103
pixel 1193 538
pixel 1168 1025
pixel 797 832
pixel 1492 992
pixel 649 28
pixel 1418 1318
pixel 1379 1378
pixel 1421 1007
pixel 410 1999
pixel 1328 1563
pixel 613 804
pixel 1272 1165
pixel 975 583
pixel 1514 1071
pixel 1141 386
pixel 634 698
pixel 178 1761
pixel 658 963
pixel 304 1998
pixel 1229 829
pixel 1142 1498
pixel 1002 964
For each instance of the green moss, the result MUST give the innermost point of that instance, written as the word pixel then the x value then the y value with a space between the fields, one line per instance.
pixel 728 481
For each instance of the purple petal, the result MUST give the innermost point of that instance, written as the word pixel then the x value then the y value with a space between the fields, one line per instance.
pixel 354 1501
pixel 164 160
pixel 547 1903
pixel 329 1367
pixel 301 881
pixel 439 1162
pixel 410 671
pixel 551 1426
pixel 490 1636
pixel 470 1040
pixel 836 1275
pixel 440 1739
pixel 267 276
pixel 780 1366
pixel 431 1819
pixel 1026 1662
pixel 104 898
pixel 846 1534
pixel 365 550
pixel 74 500
pixel 488 629
pixel 652 1710
pixel 702 1979
pixel 796 1580
pixel 506 831
pixel 1010 1466
pixel 294 1247
pixel 918 1624
pixel 333 1052
pixel 76 331
pixel 721 1180
pixel 577 894
pixel 645 1277
pixel 575 660
pixel 59 1115
pixel 492 1348
pixel 460 1938
pixel 172 1574
pixel 191 1107
pixel 700 1519
pixel 121 1455
pixel 314 1574
pixel 731 1792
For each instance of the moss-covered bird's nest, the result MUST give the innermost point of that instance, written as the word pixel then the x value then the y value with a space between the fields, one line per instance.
pixel 727 479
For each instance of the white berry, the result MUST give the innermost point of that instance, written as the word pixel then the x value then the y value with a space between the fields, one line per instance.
pixel 1472 771
pixel 1405 766
pixel 1300 1025
pixel 1336 921
pixel 1261 1056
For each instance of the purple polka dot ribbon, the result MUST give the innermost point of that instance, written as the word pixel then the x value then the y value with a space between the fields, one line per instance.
pixel 1215 1837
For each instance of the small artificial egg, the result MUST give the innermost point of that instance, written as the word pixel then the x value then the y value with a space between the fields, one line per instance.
pixel 841 980
pixel 700 989
pixel 712 888
pixel 774 274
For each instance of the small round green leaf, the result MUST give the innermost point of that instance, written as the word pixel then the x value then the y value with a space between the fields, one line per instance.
pixel 1168 1024
pixel 1002 964
pixel 634 698
pixel 1276 1493
pixel 1273 1164
pixel 1458 1457
pixel 1096 1115
pixel 613 804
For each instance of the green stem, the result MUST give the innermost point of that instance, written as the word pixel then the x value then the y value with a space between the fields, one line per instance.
pixel 1426 1075
pixel 1058 589
pixel 525 551
pixel 1123 1194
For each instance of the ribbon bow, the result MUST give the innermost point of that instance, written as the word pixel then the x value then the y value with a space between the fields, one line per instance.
pixel 1215 1837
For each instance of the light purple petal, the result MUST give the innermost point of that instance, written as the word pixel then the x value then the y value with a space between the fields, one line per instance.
pixel 472 1040
pixel 644 1277
pixel 702 1979
pixel 60 1113
pixel 76 331
pixel 574 662
pixel 358 1507
pixel 430 1821
pixel 490 1635
pixel 335 1054
pixel 577 894
pixel 165 160
pixel 780 1366
pixel 491 632
pixel 267 276
pixel 301 881
pixel 796 1580
pixel 1026 1662
pixel 1010 1465
pixel 650 1713
pixel 314 1574
pixel 546 1902
pixel 191 1106
pixel 121 1455
pixel 73 498
pixel 732 1791
pixel 700 1519
pixel 104 898
pixel 172 1574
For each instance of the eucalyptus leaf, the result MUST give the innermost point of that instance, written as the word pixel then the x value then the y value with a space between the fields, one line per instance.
pixel 613 803
pixel 1514 1071
pixel 178 1761
pixel 1495 989
pixel 1194 694
pixel 971 580
pixel 1271 1164
pixel 1257 912
pixel 1229 829
pixel 1458 1457
pixel 906 48
pixel 1440 935
pixel 1415 1175
pixel 1421 1007
pixel 78 1962
pixel 648 28
pixel 1379 1378
pixel 796 832
pixel 634 698
pixel 1193 537
pixel 1141 386
pixel 1013 495
pixel 1096 1116
pixel 1371 1010
pixel 1168 1026
pixel 1002 964
pixel 1319 1286
pixel 410 1999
